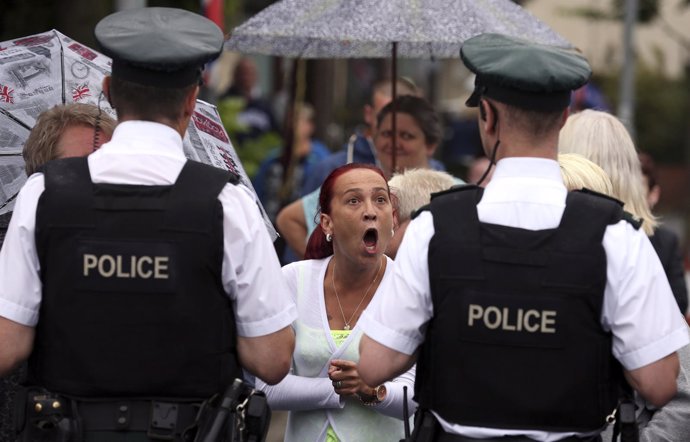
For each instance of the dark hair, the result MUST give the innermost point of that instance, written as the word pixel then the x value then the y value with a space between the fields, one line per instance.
pixel 648 169
pixel 317 246
pixel 147 103
pixel 536 122
pixel 421 110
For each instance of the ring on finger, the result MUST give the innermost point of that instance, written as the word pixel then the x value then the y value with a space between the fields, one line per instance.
pixel 338 384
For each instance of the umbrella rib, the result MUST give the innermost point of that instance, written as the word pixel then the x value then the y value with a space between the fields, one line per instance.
pixel 9 200
pixel 15 119
pixel 62 66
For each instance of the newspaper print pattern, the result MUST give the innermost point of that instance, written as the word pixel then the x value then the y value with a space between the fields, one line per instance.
pixel 32 81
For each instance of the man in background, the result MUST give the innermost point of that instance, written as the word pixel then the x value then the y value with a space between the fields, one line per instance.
pixel 72 130
pixel 64 131
pixel 360 147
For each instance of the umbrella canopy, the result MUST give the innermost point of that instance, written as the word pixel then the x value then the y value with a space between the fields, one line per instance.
pixel 368 28
pixel 381 29
pixel 49 69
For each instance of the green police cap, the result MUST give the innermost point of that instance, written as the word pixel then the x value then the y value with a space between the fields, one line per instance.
pixel 163 47
pixel 523 74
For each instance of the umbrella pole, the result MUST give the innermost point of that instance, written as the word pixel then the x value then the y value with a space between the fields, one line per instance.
pixel 394 83
pixel 290 162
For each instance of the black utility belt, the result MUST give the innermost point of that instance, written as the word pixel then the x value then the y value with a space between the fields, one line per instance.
pixel 240 414
pixel 46 416
pixel 156 418
pixel 428 429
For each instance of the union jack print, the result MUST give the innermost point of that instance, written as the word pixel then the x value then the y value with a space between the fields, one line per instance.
pixel 80 92
pixel 6 94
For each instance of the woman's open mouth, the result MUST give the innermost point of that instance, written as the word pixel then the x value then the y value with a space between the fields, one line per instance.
pixel 370 239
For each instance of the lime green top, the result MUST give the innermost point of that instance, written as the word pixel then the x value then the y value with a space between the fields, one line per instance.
pixel 339 337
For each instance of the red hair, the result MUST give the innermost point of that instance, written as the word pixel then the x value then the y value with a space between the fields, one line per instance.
pixel 317 246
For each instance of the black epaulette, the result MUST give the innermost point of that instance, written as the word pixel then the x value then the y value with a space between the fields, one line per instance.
pixel 420 210
pixel 601 195
pixel 234 178
pixel 453 189
pixel 449 191
pixel 632 220
pixel 627 216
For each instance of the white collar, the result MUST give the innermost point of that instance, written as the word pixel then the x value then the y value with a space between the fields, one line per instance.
pixel 528 167
pixel 146 138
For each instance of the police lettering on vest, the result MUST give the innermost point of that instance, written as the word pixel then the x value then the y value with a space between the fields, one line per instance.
pixel 528 320
pixel 126 265
pixel 118 266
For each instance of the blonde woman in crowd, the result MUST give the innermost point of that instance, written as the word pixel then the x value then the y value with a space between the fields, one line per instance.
pixel 580 173
pixel 603 139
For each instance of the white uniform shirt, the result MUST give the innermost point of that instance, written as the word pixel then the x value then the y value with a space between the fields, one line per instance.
pixel 147 153
pixel 529 193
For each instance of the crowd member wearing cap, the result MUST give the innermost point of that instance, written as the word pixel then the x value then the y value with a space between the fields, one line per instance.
pixel 519 301
pixel 134 273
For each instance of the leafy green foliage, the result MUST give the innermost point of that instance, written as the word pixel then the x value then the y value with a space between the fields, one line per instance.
pixel 648 10
pixel 662 107
pixel 251 151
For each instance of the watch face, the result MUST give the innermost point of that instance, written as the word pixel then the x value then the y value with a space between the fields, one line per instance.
pixel 380 393
pixel 80 70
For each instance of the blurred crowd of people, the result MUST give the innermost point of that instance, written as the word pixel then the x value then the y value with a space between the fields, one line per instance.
pixel 139 285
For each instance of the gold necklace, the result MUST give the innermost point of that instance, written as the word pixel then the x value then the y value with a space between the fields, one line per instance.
pixel 337 298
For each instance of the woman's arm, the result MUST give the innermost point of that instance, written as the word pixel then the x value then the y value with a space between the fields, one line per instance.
pixel 346 373
pixel 301 393
pixel 392 405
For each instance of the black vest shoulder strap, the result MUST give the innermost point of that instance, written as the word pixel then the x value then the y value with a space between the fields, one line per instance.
pixel 452 190
pixel 197 186
pixel 460 199
pixel 587 191
pixel 632 220
pixel 585 218
pixel 70 177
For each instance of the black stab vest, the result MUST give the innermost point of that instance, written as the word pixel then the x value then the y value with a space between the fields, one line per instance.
pixel 133 303
pixel 516 340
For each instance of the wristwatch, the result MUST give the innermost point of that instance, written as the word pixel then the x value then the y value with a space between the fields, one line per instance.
pixel 375 399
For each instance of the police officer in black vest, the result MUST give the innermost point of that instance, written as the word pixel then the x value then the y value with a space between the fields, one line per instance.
pixel 524 306
pixel 138 283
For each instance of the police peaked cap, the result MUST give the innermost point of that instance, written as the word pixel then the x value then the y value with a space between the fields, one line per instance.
pixel 523 74
pixel 163 47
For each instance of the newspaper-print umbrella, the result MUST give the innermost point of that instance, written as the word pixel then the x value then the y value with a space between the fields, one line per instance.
pixel 379 29
pixel 43 70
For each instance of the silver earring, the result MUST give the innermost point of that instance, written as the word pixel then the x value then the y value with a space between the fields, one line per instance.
pixel 329 237
pixel 392 232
